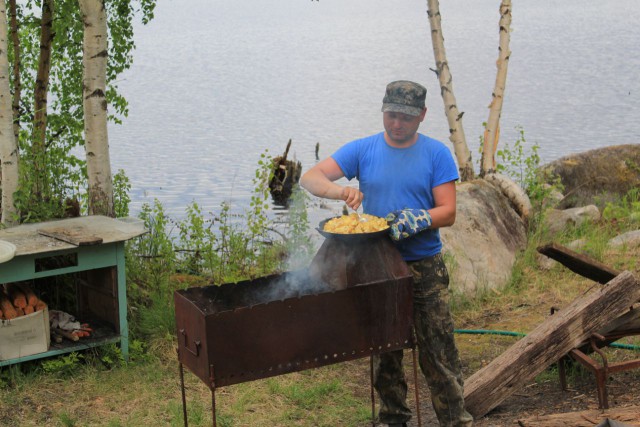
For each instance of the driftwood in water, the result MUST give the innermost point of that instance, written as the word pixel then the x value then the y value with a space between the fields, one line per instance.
pixel 547 343
pixel 286 173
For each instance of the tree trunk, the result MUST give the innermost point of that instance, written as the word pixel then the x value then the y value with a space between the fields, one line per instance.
pixel 94 83
pixel 8 143
pixel 40 187
pixel 454 117
pixel 17 83
pixel 492 131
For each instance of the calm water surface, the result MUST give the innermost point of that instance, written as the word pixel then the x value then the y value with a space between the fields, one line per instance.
pixel 216 83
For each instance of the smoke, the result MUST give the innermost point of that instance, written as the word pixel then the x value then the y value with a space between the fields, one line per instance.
pixel 292 284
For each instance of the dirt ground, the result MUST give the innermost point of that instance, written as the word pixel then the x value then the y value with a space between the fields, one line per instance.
pixel 542 397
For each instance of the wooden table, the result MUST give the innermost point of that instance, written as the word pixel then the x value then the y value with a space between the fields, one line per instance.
pixel 91 245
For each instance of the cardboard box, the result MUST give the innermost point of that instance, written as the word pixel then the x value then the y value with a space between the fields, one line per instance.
pixel 25 335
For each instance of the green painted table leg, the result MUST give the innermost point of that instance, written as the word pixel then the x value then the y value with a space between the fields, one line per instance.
pixel 122 300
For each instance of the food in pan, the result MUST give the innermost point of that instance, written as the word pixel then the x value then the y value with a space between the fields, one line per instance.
pixel 354 224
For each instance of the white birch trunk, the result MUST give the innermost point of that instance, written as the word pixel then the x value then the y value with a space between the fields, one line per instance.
pixel 8 143
pixel 94 82
pixel 454 117
pixel 492 131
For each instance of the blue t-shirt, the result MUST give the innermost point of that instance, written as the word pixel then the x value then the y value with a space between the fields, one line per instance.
pixel 397 178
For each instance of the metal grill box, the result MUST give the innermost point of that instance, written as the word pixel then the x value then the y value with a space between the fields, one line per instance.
pixel 234 333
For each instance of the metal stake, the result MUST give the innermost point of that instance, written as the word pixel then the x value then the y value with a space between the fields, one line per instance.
pixel 373 396
pixel 184 398
pixel 213 395
pixel 415 383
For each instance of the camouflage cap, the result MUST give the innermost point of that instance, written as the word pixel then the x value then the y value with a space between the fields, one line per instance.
pixel 403 96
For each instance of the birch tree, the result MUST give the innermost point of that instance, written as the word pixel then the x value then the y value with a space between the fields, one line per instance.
pixel 492 131
pixel 8 145
pixel 94 87
pixel 454 117
pixel 47 143
pixel 17 85
pixel 38 138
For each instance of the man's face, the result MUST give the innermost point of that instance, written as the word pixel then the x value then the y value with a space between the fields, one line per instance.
pixel 401 128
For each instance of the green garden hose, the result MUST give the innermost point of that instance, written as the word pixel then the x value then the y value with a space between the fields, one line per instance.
pixel 520 334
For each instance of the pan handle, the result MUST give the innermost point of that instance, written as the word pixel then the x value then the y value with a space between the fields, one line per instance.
pixel 186 344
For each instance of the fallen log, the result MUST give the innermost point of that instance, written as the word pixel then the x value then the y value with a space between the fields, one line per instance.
pixel 578 263
pixel 630 416
pixel 547 343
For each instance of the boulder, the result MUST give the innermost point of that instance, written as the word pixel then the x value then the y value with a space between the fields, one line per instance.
pixel 596 176
pixel 630 239
pixel 557 220
pixel 481 247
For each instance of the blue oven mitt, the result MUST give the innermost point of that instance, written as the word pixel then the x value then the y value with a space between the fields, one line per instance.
pixel 407 222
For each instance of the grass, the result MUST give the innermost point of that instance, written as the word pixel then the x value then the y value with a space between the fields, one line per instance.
pixel 148 392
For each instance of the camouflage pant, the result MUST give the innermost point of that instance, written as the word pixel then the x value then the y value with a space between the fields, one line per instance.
pixel 438 355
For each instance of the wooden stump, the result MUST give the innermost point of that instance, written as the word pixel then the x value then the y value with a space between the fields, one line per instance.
pixel 286 173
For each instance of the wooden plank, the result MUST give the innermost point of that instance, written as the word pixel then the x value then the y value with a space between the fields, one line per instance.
pixel 547 343
pixel 78 236
pixel 28 240
pixel 578 263
pixel 629 416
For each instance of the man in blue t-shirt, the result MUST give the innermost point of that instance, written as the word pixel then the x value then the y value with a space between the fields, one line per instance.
pixel 408 178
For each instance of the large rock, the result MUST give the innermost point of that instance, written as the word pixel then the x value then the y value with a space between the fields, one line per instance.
pixel 597 176
pixel 558 220
pixel 482 245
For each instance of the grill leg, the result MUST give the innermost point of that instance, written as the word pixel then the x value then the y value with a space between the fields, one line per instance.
pixel 415 383
pixel 373 395
pixel 212 386
pixel 184 399
pixel 213 406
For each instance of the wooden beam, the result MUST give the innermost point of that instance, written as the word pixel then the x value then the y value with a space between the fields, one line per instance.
pixel 547 343
pixel 578 263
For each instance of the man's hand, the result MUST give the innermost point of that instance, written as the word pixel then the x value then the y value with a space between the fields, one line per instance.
pixel 407 222
pixel 352 197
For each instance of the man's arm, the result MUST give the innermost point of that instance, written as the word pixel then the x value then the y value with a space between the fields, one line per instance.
pixel 443 214
pixel 319 181
pixel 408 222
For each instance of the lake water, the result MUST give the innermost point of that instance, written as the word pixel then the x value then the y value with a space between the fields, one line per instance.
pixel 216 83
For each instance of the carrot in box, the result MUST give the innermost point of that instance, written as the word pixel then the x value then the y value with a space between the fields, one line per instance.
pixel 16 296
pixel 32 299
pixel 7 308
pixel 40 305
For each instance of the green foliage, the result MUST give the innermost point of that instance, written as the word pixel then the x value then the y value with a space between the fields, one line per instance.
pixel 517 163
pixel 66 420
pixel 257 216
pixel 157 318
pixel 627 210
pixel 217 247
pixel 64 175
pixel 64 366
pixel 110 356
pixel 299 246
pixel 523 167
pixel 121 198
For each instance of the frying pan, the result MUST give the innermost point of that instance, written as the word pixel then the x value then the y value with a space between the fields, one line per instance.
pixel 350 238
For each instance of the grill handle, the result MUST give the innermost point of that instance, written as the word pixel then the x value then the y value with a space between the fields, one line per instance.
pixel 186 344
